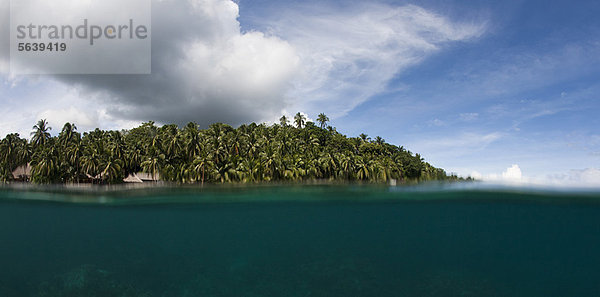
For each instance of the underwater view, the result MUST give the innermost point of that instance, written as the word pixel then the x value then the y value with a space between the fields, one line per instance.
pixel 317 240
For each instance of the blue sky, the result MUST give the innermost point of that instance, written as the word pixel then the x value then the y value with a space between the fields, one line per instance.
pixel 526 92
pixel 475 87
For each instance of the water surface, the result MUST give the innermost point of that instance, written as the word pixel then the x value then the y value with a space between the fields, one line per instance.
pixel 344 240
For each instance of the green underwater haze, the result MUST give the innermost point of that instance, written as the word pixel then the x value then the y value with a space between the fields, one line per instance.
pixel 446 239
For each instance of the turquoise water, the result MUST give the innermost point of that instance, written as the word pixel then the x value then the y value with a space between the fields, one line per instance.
pixel 345 240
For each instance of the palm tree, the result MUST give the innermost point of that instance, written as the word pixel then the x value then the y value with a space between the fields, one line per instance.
pixel 283 121
pixel 24 153
pixel 133 158
pixel 116 145
pixel 45 166
pixel 202 165
pixel 90 165
pixel 251 170
pixel 9 150
pixel 40 133
pixel 67 134
pixel 346 165
pixel 73 158
pixel 112 171
pixel 322 119
pixel 250 153
pixel 192 140
pixel 328 165
pixel 300 120
pixel 363 169
pixel 364 137
pixel 174 145
pixel 153 165
pixel 10 153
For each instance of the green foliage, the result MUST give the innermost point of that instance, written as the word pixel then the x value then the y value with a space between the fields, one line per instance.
pixel 322 119
pixel 40 133
pixel 299 120
pixel 219 154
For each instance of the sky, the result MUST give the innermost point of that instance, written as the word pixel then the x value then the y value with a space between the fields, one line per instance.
pixel 499 90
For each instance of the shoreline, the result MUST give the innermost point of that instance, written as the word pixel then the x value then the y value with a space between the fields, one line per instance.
pixel 170 193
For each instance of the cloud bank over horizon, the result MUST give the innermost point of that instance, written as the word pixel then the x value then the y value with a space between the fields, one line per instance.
pixel 513 176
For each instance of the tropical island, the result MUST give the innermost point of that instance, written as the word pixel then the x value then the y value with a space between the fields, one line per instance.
pixel 283 152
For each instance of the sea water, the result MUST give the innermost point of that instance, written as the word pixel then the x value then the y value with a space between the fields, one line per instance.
pixel 310 240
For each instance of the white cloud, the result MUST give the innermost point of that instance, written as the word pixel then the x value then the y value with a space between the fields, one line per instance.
pixel 206 69
pixel 56 102
pixel 512 173
pixel 581 178
pixel 476 175
pixel 58 117
pixel 348 55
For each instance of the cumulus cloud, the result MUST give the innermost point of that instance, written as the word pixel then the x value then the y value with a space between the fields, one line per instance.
pixel 206 69
pixel 512 173
pixel 57 117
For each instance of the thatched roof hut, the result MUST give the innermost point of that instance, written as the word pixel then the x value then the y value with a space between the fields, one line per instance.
pixel 22 172
pixel 141 177
pixel 147 177
pixel 132 178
